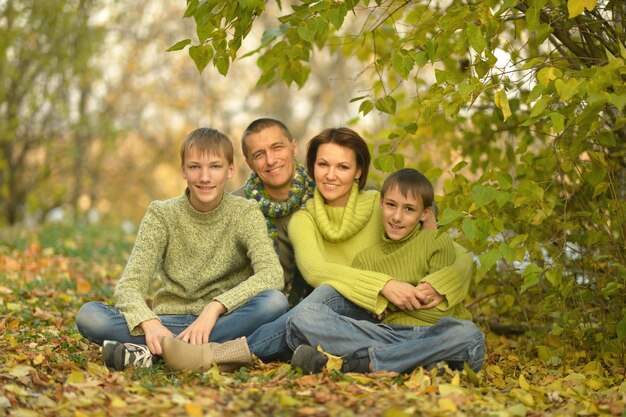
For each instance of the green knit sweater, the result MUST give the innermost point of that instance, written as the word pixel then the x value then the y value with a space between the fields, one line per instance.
pixel 224 255
pixel 423 256
pixel 327 239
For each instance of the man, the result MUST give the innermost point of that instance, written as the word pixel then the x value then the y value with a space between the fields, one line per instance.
pixel 281 185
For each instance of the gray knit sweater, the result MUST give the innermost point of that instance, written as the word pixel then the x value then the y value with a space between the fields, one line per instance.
pixel 224 255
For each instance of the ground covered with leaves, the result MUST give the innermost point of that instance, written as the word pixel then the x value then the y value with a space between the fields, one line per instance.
pixel 47 369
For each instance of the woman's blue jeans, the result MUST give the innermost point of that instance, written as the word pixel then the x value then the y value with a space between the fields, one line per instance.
pixel 390 347
pixel 98 322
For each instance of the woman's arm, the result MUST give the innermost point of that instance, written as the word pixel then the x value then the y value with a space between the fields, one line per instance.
pixel 361 287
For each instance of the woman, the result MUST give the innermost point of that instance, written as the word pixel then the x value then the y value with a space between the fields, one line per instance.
pixel 341 220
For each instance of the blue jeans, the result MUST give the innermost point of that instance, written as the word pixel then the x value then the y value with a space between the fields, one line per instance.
pixel 269 341
pixel 390 347
pixel 98 322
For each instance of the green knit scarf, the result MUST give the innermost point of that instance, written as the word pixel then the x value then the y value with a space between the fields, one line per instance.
pixel 301 190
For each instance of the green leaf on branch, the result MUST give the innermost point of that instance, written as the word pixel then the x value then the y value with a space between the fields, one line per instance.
pixel 201 55
pixel 366 107
pixel 476 230
pixel 402 64
pixel 483 195
pixel 178 45
pixel 449 215
pixel 566 89
pixel 547 74
pixel 621 329
pixel 386 105
pixel 475 37
pixel 531 275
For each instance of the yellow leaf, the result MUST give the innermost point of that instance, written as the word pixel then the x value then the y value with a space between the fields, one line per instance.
pixel 523 383
pixel 118 403
pixel 502 102
pixel 82 286
pixel 193 410
pixel 395 412
pixel 447 389
pixel 286 401
pixel 361 379
pixel 594 384
pixel 16 389
pixel 498 383
pixel 447 404
pixel 76 377
pixel 493 370
pixel 456 379
pixel 38 359
pixel 418 380
pixel 577 7
pixel 334 362
pixel 20 370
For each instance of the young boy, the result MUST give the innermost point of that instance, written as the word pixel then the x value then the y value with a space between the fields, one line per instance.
pixel 413 335
pixel 220 277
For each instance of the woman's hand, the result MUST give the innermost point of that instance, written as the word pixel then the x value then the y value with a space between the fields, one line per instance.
pixel 401 294
pixel 154 331
pixel 428 296
pixel 200 330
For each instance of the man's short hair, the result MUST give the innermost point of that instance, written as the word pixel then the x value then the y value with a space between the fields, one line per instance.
pixel 208 141
pixel 259 125
pixel 410 182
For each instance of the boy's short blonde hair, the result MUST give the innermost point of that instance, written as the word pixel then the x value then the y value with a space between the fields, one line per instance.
pixel 208 141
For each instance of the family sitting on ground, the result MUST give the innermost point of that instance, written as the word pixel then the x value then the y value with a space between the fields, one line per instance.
pixel 368 275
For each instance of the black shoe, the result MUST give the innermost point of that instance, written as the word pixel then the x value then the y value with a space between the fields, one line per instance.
pixel 118 356
pixel 309 360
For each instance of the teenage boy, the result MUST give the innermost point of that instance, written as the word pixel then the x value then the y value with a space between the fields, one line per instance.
pixel 409 337
pixel 220 277
pixel 281 185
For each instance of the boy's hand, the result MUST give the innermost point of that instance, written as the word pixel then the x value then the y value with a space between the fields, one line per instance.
pixel 154 331
pixel 200 330
pixel 401 294
pixel 428 296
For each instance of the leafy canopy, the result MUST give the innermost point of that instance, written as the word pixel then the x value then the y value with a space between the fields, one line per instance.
pixel 526 100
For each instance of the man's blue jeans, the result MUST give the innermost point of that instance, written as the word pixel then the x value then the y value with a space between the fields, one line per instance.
pixel 98 322
pixel 269 342
pixel 390 347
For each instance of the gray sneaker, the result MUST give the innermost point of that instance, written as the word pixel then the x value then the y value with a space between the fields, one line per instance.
pixel 309 360
pixel 118 356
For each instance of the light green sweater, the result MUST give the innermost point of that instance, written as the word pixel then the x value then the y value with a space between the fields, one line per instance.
pixel 224 255
pixel 327 239
pixel 423 256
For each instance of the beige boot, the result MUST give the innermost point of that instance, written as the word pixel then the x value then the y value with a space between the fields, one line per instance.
pixel 229 356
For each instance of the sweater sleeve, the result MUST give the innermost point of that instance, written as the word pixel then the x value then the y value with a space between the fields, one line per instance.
pixel 452 280
pixel 361 287
pixel 268 274
pixel 132 288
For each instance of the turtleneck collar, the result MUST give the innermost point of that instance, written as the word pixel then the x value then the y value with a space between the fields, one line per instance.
pixel 208 215
pixel 337 224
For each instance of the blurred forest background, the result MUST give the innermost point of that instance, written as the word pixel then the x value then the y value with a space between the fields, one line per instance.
pixel 514 109
pixel 93 108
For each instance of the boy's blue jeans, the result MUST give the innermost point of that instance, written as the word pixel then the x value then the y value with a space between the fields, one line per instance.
pixel 98 322
pixel 390 347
